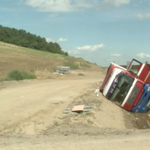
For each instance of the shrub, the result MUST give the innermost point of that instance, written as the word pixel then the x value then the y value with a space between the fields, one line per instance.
pixel 18 75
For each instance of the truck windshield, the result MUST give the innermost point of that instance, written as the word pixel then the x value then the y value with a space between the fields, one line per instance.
pixel 121 89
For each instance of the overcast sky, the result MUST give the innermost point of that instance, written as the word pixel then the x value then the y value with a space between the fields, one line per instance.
pixel 99 31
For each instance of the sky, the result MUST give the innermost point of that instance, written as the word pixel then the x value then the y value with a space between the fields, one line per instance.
pixel 99 31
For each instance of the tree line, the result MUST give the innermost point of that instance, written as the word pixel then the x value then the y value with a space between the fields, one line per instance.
pixel 26 39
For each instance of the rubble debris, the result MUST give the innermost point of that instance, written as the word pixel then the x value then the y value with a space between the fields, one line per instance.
pixel 63 70
pixel 78 108
pixel 96 92
pixel 142 121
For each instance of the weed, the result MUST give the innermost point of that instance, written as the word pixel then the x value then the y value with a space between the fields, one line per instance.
pixel 80 74
pixel 89 121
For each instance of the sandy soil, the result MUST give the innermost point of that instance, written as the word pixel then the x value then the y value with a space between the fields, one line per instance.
pixel 33 116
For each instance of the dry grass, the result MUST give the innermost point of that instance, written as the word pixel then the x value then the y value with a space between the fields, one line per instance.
pixel 44 74
pixel 13 57
pixel 41 63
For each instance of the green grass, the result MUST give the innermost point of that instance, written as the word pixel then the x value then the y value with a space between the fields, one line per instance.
pixel 71 65
pixel 71 62
pixel 18 75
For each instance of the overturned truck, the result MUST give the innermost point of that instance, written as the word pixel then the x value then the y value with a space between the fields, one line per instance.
pixel 128 87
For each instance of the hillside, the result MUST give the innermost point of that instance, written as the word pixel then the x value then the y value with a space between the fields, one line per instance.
pixel 14 57
pixel 29 40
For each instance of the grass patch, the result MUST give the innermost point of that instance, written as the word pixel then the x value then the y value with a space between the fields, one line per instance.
pixel 18 75
pixel 71 65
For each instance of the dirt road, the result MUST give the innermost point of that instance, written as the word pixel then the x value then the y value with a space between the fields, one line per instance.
pixel 115 142
pixel 32 116
pixel 23 101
